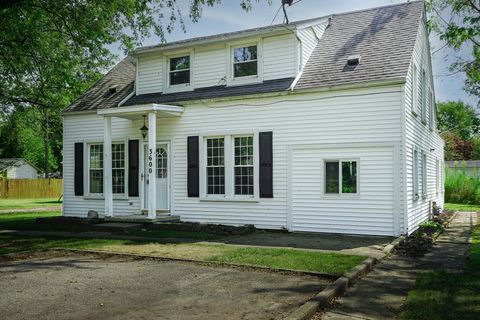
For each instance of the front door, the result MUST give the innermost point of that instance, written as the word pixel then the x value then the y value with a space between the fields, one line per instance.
pixel 162 177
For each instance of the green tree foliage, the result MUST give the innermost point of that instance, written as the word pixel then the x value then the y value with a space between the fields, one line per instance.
pixel 458 24
pixel 459 126
pixel 53 50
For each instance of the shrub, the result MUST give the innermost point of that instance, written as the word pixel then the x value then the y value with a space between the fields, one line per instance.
pixel 462 186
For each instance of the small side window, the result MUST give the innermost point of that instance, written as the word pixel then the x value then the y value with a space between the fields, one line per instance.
pixel 341 177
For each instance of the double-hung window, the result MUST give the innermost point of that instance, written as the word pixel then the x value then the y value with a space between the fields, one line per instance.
pixel 432 111
pixel 216 165
pixel 424 175
pixel 244 165
pixel 245 61
pixel 179 71
pixel 231 166
pixel 95 168
pixel 424 96
pixel 415 174
pixel 341 177
pixel 414 96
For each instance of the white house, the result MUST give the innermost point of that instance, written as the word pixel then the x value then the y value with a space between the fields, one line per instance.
pixel 323 125
pixel 17 168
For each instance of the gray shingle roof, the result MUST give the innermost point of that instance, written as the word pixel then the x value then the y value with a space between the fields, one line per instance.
pixel 212 92
pixel 121 76
pixel 384 37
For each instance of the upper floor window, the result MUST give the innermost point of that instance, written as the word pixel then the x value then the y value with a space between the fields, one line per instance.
pixel 414 96
pixel 424 96
pixel 179 71
pixel 432 111
pixel 245 61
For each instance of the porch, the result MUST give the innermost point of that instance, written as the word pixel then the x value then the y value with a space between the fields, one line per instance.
pixel 149 171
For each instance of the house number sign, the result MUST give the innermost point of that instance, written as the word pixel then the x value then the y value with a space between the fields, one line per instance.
pixel 150 159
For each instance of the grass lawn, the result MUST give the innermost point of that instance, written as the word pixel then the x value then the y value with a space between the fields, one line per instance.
pixel 442 295
pixel 24 220
pixel 461 207
pixel 274 258
pixel 29 203
pixel 156 243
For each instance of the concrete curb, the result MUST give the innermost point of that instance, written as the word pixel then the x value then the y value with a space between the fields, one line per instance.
pixel 389 247
pixel 334 290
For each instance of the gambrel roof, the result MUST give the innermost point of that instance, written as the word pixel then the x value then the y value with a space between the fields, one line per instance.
pixel 384 37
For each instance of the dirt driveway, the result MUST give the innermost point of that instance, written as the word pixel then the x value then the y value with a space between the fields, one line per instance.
pixel 85 287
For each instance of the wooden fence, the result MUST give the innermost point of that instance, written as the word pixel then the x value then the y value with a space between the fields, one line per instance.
pixel 30 188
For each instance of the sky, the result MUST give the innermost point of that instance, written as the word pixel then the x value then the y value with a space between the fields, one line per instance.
pixel 228 16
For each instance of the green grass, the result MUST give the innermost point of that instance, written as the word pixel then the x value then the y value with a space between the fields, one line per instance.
pixel 333 263
pixel 14 243
pixel 29 203
pixel 448 296
pixel 24 220
pixel 462 207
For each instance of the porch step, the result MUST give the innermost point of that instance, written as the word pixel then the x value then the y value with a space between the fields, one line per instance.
pixel 139 218
pixel 118 226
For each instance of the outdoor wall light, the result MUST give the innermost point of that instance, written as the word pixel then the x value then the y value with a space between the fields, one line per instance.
pixel 144 129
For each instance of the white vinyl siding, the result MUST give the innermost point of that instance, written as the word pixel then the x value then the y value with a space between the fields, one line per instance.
pixel 149 73
pixel 415 174
pixel 369 212
pixel 279 57
pixel 24 171
pixel 209 66
pixel 418 135
pixel 424 96
pixel 372 115
pixel 424 175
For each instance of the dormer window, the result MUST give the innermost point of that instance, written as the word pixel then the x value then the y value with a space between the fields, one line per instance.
pixel 245 61
pixel 179 70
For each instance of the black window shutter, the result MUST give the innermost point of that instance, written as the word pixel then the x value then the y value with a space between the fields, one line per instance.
pixel 266 164
pixel 133 168
pixel 193 180
pixel 78 175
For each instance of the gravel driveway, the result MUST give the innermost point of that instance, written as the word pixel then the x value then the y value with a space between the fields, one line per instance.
pixel 85 287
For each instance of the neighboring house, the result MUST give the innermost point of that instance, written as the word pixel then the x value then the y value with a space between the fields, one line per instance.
pixel 323 125
pixel 17 168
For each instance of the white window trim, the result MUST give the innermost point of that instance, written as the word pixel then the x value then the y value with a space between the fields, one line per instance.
pixel 437 176
pixel 432 112
pixel 423 103
pixel 414 89
pixel 231 80
pixel 166 80
pixel 424 161
pixel 86 173
pixel 415 174
pixel 229 154
pixel 340 193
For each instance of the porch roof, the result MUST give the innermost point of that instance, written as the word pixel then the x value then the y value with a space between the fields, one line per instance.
pixel 137 111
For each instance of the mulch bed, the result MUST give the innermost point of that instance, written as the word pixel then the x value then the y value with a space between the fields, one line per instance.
pixel 421 241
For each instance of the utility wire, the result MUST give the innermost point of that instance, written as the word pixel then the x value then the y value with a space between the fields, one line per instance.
pixel 276 14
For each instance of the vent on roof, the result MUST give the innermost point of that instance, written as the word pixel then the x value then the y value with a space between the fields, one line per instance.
pixel 112 89
pixel 353 60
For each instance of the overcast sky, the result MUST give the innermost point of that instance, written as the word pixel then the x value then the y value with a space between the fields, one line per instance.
pixel 228 16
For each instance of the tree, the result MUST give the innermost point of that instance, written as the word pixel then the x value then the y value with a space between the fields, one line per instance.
pixel 458 117
pixel 460 30
pixel 52 50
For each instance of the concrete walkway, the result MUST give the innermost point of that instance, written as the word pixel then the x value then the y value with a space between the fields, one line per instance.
pixel 381 294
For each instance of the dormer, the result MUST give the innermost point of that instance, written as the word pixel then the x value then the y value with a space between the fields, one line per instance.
pixel 232 59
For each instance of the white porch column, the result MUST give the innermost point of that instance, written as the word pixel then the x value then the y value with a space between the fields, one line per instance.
pixel 152 165
pixel 107 166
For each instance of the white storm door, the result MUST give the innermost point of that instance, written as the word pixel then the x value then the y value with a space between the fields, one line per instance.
pixel 162 176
